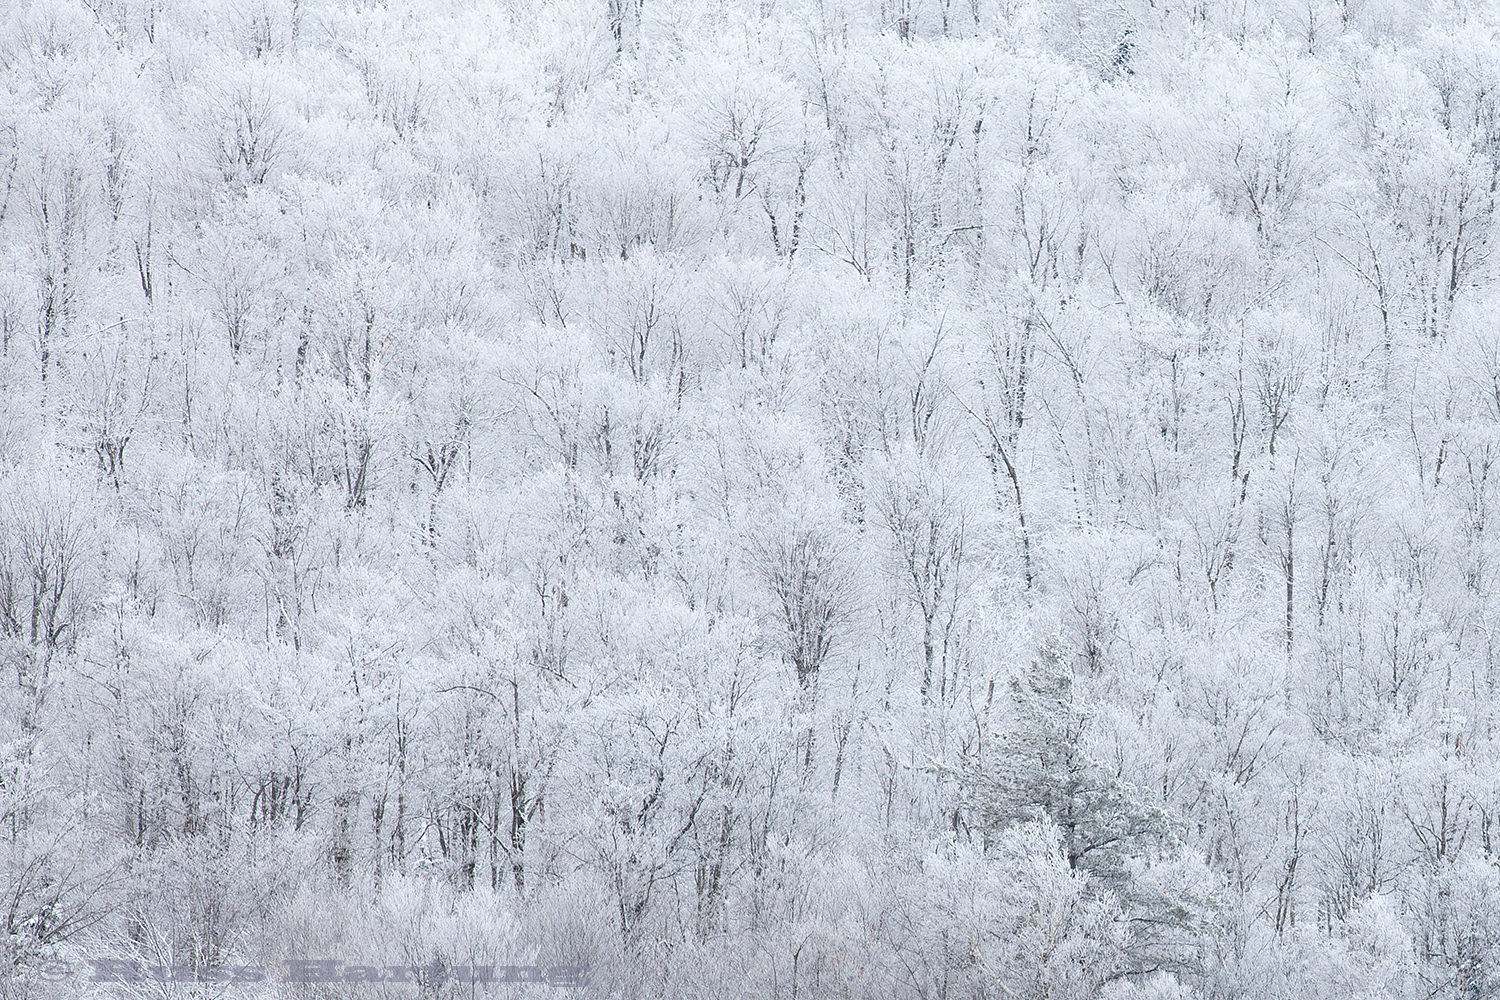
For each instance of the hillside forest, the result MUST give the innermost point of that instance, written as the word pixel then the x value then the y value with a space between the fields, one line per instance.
pixel 786 499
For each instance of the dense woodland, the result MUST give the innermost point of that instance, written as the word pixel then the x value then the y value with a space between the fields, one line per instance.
pixel 783 499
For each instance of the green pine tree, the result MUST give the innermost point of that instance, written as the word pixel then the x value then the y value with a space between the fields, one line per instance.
pixel 1038 767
